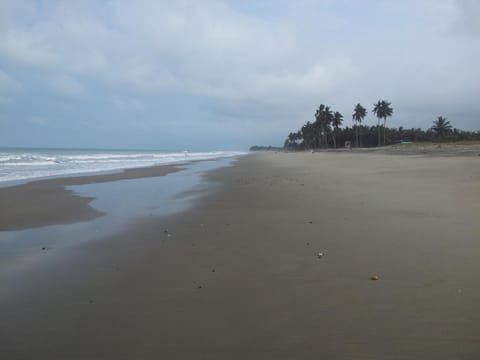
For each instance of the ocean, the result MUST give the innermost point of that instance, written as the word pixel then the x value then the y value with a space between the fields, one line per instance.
pixel 24 164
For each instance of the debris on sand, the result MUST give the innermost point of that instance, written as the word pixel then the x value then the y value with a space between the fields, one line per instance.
pixel 374 277
pixel 320 255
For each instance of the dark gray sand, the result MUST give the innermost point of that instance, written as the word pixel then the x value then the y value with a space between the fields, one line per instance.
pixel 240 277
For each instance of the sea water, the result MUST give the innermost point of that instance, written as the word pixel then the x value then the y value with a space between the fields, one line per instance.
pixel 24 164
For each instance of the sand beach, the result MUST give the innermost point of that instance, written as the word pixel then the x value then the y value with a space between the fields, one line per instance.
pixel 276 263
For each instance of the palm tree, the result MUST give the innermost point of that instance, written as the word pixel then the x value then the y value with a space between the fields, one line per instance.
pixel 336 122
pixel 358 115
pixel 327 120
pixel 319 115
pixel 382 110
pixel 323 119
pixel 441 126
pixel 291 141
pixel 308 135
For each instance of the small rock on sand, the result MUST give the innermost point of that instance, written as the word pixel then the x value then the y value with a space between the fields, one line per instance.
pixel 374 277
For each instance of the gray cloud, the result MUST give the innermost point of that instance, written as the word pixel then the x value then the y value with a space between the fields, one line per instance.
pixel 273 62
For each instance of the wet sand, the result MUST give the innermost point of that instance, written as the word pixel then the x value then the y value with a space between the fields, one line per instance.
pixel 239 277
pixel 48 202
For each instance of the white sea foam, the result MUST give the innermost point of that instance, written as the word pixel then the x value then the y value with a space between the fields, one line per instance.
pixel 20 165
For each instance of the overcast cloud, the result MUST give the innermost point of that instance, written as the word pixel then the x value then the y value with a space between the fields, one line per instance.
pixel 228 74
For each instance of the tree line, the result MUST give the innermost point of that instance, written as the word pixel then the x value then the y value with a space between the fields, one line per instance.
pixel 326 131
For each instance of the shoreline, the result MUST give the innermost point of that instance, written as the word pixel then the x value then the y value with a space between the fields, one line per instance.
pixel 238 276
pixel 30 205
pixel 24 165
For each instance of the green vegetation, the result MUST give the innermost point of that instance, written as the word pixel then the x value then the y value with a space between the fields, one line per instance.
pixel 382 109
pixel 265 148
pixel 441 127
pixel 326 130
pixel 336 123
pixel 358 115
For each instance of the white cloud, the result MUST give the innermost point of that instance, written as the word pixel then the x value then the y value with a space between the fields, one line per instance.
pixel 199 48
pixel 8 86
pixel 126 104
pixel 280 56
pixel 26 47
pixel 67 85
pixel 468 13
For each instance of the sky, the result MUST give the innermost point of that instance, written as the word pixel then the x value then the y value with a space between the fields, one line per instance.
pixel 225 75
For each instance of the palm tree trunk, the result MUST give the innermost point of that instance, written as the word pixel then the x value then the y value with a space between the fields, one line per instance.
pixel 360 131
pixel 378 133
pixel 384 123
pixel 335 138
pixel 324 138
pixel 356 136
pixel 321 137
